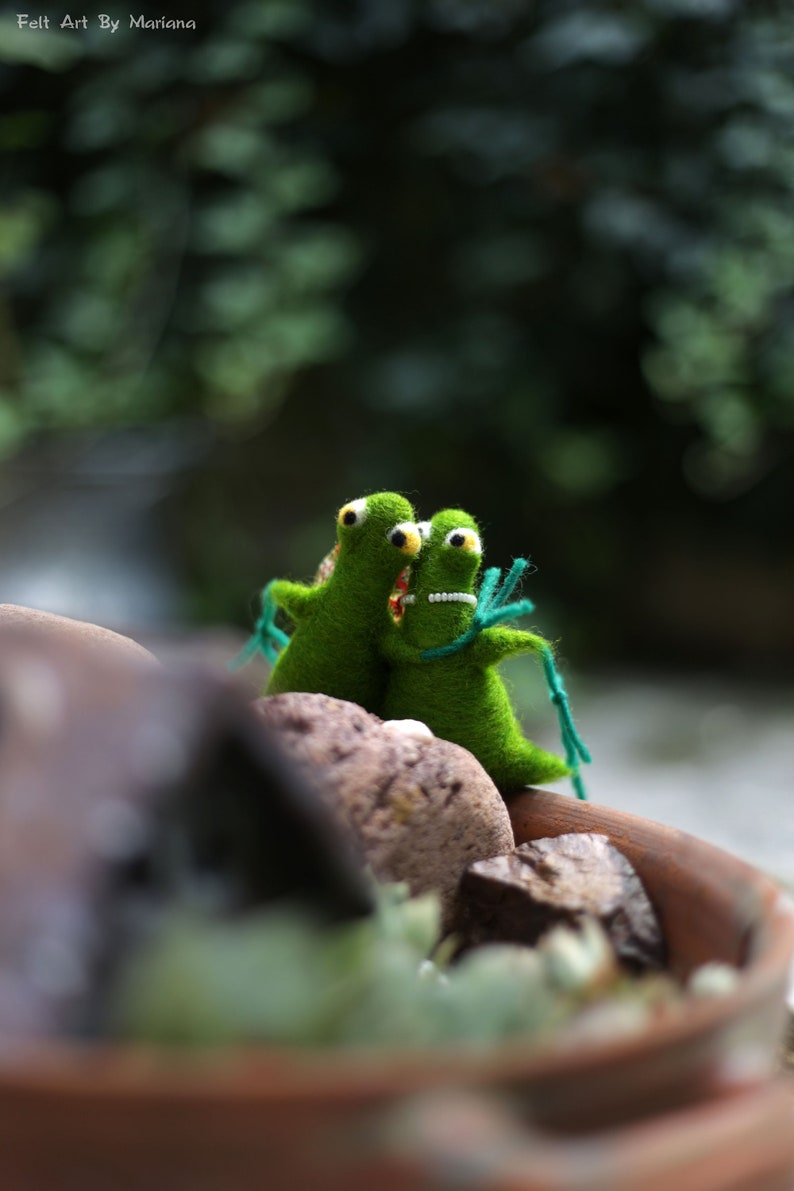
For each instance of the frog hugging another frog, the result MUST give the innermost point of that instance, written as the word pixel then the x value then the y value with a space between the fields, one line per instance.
pixel 442 666
pixel 438 664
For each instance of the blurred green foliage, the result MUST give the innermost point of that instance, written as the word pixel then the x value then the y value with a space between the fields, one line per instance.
pixel 535 257
pixel 277 977
pixel 563 192
pixel 158 249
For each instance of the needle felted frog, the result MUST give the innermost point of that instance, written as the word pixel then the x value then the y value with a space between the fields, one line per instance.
pixel 340 623
pixel 457 692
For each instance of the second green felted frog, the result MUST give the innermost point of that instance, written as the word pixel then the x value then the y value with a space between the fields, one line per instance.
pixel 460 695
pixel 340 623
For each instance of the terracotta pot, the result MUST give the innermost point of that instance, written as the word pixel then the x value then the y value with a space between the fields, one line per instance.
pixel 737 1143
pixel 711 906
pixel 124 1120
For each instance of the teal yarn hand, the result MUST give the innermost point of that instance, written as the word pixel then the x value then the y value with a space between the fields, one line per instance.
pixel 575 748
pixel 267 638
pixel 492 608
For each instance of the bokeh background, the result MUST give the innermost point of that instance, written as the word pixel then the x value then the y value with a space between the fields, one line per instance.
pixel 533 257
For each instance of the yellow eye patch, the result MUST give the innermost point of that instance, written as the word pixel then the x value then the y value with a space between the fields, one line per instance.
pixel 353 513
pixel 464 539
pixel 406 537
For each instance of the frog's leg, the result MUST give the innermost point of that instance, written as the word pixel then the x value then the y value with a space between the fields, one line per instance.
pixel 525 764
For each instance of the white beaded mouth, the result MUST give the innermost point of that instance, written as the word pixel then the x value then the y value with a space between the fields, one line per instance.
pixel 443 597
pixel 452 597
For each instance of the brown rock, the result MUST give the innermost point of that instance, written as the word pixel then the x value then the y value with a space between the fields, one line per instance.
pixel 518 897
pixel 125 787
pixel 49 626
pixel 421 808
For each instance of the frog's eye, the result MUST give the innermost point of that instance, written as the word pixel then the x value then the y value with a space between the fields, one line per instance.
pixel 425 529
pixel 406 537
pixel 464 539
pixel 353 513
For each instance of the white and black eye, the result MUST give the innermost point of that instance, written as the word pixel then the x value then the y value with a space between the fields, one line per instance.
pixel 425 529
pixel 405 537
pixel 353 513
pixel 464 539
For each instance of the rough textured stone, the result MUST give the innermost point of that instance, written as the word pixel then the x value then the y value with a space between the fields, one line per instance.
pixel 518 897
pixel 422 808
pixel 92 636
pixel 123 787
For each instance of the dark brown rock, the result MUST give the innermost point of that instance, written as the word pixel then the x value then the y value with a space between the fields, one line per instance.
pixel 124 787
pixel 518 897
pixel 421 808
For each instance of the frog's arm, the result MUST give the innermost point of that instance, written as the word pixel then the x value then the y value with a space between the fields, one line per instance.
pixel 495 644
pixel 297 600
pixel 396 651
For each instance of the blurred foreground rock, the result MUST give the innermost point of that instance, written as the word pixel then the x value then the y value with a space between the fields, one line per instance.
pixel 125 787
pixel 50 627
pixel 549 882
pixel 421 808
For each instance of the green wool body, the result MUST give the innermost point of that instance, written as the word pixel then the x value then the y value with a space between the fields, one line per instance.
pixel 460 696
pixel 340 624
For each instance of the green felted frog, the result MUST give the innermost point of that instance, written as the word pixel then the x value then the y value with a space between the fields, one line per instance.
pixel 443 664
pixel 340 623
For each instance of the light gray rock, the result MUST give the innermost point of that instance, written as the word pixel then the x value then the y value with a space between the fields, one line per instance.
pixel 50 627
pixel 421 808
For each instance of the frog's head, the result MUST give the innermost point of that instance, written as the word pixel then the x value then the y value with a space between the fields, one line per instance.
pixel 453 553
pixel 379 531
pixel 441 600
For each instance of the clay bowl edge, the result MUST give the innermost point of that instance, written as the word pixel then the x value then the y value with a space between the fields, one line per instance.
pixel 712 906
